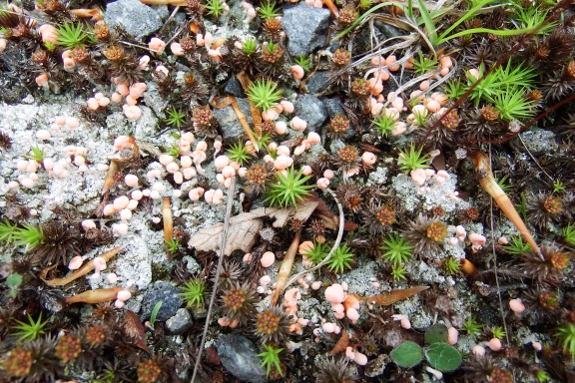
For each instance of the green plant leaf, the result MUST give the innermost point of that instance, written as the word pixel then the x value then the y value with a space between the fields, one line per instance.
pixel 436 333
pixel 443 357
pixel 407 355
pixel 155 313
pixel 429 25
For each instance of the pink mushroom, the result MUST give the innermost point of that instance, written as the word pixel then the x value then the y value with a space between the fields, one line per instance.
pixel 75 263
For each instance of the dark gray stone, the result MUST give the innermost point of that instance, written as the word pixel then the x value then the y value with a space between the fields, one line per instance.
pixel 312 110
pixel 232 129
pixel 234 88
pixel 333 106
pixel 306 28
pixel 154 99
pixel 179 323
pixel 388 30
pixel 239 356
pixel 138 19
pixel 318 82
pixel 170 297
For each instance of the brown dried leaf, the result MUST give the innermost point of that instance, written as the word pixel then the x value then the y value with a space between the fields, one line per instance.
pixel 341 344
pixel 387 299
pixel 244 228
pixel 330 220
pixel 135 329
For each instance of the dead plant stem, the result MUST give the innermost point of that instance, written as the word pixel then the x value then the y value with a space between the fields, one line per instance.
pixel 230 203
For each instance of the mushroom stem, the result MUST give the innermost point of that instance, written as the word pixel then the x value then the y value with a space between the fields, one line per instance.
pixel 482 166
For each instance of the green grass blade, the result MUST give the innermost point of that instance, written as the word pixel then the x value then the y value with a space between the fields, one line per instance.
pixel 429 25
pixel 486 30
pixel 468 15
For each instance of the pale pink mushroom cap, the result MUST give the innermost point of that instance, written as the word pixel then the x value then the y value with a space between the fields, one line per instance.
pixel 43 135
pixel 75 263
pixel 452 335
pixel 268 259
pixel 42 80
pixel 360 359
pixel 157 45
pixel 478 351
pixel 88 224
pixel 516 306
pixel 297 72
pixel 112 278
pixel 335 293
pixel 495 344
pixel 124 295
pixel 99 264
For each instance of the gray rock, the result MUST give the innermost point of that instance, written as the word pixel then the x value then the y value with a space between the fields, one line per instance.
pixel 318 82
pixel 162 11
pixel 231 127
pixel 388 30
pixel 376 367
pixel 333 106
pixel 168 294
pixel 312 110
pixel 154 99
pixel 179 323
pixel 234 88
pixel 306 28
pixel 536 140
pixel 239 356
pixel 138 19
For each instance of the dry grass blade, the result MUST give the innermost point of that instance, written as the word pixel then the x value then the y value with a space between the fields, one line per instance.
pixel 341 344
pixel 223 102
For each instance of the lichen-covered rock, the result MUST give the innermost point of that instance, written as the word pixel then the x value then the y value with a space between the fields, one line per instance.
pixel 306 28
pixel 239 356
pixel 317 83
pixel 312 110
pixel 170 297
pixel 232 129
pixel 138 19
pixel 179 323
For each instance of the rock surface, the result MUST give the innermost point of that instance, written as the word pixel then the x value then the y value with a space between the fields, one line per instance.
pixel 168 294
pixel 317 83
pixel 179 323
pixel 306 28
pixel 138 19
pixel 231 127
pixel 239 356
pixel 312 110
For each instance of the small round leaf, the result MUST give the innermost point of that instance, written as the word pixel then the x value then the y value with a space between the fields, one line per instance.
pixel 436 333
pixel 407 355
pixel 442 356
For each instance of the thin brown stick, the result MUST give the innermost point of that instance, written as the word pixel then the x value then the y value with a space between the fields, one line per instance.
pixel 230 203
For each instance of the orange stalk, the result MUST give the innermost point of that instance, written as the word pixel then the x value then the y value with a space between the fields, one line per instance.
pixel 332 7
pixel 194 27
pixel 94 13
pixel 468 268
pixel 85 269
pixel 286 266
pixel 95 296
pixel 168 223
pixel 482 166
